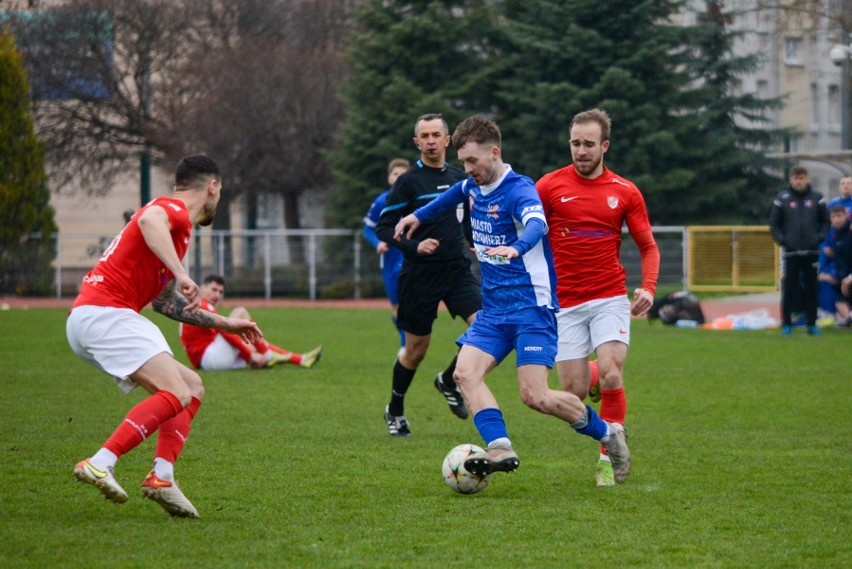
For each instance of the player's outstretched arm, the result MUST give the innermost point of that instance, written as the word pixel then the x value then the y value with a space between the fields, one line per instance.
pixel 173 304
pixel 407 225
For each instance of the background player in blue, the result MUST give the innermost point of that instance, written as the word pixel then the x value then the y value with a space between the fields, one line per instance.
pixel 390 258
pixel 518 298
pixel 845 197
pixel 436 268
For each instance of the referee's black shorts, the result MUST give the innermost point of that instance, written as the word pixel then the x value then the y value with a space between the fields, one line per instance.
pixel 423 285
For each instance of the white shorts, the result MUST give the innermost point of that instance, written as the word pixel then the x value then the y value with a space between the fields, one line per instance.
pixel 584 327
pixel 117 341
pixel 220 355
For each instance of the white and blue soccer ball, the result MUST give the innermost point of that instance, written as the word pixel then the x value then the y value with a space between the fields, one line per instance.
pixel 455 475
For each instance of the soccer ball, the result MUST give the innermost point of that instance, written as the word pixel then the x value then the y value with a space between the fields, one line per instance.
pixel 455 474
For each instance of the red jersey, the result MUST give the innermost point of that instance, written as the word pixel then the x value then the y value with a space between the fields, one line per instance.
pixel 196 339
pixel 585 218
pixel 129 274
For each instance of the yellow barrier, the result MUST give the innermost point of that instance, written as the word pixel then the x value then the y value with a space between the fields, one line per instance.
pixel 732 258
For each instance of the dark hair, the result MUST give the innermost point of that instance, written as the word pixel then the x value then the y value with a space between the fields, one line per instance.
pixel 398 163
pixel 196 169
pixel 595 115
pixel 431 117
pixel 476 129
pixel 837 209
pixel 798 171
pixel 218 279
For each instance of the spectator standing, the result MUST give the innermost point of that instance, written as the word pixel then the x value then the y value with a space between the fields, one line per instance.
pixel 845 197
pixel 799 223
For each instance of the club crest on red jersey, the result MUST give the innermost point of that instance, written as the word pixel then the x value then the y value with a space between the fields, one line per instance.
pixel 612 202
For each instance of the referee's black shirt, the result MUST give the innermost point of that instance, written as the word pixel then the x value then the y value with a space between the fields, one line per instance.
pixel 414 189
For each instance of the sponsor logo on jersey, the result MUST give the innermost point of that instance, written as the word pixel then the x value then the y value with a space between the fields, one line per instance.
pixel 586 233
pixel 492 211
pixel 93 279
pixel 612 202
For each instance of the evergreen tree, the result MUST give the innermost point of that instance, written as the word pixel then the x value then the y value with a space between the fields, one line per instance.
pixel 623 56
pixel 24 194
pixel 407 59
pixel 732 173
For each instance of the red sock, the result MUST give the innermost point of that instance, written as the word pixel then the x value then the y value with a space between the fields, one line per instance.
pixel 142 420
pixel 295 358
pixel 613 407
pixel 262 346
pixel 174 432
pixel 593 368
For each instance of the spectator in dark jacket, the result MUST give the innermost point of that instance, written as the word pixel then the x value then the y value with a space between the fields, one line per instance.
pixel 799 222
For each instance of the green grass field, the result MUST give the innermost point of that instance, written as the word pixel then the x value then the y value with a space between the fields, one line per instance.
pixel 741 444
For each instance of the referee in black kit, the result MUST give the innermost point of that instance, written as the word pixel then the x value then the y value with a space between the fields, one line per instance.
pixel 435 269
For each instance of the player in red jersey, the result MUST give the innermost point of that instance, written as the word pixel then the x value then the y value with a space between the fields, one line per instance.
pixel 142 265
pixel 212 349
pixel 586 206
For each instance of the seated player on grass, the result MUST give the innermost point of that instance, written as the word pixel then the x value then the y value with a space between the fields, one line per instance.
pixel 214 350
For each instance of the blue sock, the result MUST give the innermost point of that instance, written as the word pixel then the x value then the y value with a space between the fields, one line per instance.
pixel 490 424
pixel 591 425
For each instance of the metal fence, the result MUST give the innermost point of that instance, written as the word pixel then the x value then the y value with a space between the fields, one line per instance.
pixel 306 263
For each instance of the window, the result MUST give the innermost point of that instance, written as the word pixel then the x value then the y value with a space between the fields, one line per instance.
pixel 815 107
pixel 834 114
pixel 793 51
pixel 795 143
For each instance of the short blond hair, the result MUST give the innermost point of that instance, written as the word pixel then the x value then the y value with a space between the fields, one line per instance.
pixel 594 115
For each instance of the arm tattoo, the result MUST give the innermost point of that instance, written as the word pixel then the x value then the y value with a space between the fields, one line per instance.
pixel 172 303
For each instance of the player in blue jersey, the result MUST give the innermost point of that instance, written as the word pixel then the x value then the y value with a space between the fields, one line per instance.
pixel 845 197
pixel 390 258
pixel 518 298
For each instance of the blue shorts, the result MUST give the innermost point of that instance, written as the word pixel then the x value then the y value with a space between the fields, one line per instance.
pixel 531 332
pixel 390 275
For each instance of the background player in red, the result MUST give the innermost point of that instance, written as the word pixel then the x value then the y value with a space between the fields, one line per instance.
pixel 586 206
pixel 142 265
pixel 211 349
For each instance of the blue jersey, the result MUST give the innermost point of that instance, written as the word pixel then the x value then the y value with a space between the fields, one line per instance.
pixel 391 261
pixel 845 202
pixel 499 213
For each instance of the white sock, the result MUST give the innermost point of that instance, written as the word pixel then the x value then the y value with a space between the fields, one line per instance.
pixel 605 457
pixel 502 442
pixel 164 470
pixel 104 458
